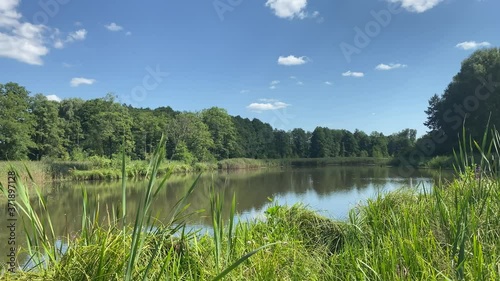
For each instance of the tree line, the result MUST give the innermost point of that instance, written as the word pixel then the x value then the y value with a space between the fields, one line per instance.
pixel 33 127
pixel 470 104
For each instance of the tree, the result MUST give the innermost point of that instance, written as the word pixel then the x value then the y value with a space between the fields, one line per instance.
pixel 300 143
pixel 282 144
pixel 188 128
pixel 379 145
pixel 147 137
pixel 221 127
pixel 264 139
pixel 181 153
pixel 48 135
pixel 246 138
pixel 401 142
pixel 334 138
pixel 16 122
pixel 349 144
pixel 319 145
pixel 469 100
pixel 364 143
pixel 106 126
pixel 72 127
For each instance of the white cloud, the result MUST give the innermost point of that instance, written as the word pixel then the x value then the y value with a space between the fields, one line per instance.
pixel 300 83
pixel 390 66
pixel 54 98
pixel 471 45
pixel 113 27
pixel 288 8
pixel 77 81
pixel 293 77
pixel 19 40
pixel 244 91
pixel 353 74
pixel 67 65
pixel 328 83
pixel 78 23
pixel 273 84
pixel 78 35
pixel 58 44
pixel 417 6
pixel 267 104
pixel 28 42
pixel 292 60
pixel 128 33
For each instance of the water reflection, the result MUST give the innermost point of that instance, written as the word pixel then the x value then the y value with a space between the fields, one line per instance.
pixel 333 190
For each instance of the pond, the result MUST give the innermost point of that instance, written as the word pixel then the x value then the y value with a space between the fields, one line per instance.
pixel 332 191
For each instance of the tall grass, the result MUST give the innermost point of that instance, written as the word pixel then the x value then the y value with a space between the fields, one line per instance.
pixel 140 250
pixel 449 232
pixel 338 161
pixel 38 171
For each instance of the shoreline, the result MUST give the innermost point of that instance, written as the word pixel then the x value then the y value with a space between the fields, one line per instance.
pixel 43 172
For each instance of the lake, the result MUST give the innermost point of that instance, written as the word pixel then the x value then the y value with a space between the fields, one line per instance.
pixel 332 191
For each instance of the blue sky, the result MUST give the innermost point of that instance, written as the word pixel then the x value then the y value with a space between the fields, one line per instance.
pixel 292 63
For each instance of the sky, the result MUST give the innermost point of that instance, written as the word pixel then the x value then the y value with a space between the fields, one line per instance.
pixel 342 64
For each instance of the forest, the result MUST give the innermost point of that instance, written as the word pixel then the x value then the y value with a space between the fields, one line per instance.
pixel 33 127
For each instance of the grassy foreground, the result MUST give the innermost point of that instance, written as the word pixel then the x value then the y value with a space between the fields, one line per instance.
pixel 449 233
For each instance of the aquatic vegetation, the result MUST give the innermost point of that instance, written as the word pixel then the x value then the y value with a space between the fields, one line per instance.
pixel 451 232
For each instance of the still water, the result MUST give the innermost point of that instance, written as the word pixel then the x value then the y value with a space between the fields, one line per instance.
pixel 332 191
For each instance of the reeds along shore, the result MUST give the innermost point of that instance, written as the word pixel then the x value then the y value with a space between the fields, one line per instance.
pixel 99 168
pixel 451 232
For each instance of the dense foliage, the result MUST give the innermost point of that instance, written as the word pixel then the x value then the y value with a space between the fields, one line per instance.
pixel 471 101
pixel 33 127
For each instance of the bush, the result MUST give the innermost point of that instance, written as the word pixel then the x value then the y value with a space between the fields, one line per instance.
pixel 181 153
pixel 440 162
pixel 100 162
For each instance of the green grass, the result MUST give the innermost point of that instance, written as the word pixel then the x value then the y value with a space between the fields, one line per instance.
pixel 38 170
pixel 99 168
pixel 440 162
pixel 451 232
pixel 247 163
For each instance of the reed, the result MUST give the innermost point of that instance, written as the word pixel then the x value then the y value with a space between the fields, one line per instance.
pixel 449 232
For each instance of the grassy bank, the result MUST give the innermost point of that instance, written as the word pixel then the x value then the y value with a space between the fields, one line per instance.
pixel 39 171
pixel 337 161
pixel 98 168
pixel 86 170
pixel 138 169
pixel 449 233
